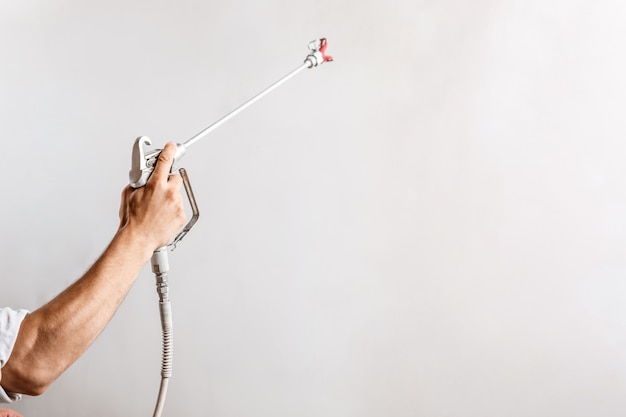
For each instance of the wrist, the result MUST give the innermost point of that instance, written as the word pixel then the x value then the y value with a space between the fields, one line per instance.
pixel 133 242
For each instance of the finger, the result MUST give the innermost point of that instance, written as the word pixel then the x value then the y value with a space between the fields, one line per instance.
pixel 175 179
pixel 9 413
pixel 164 163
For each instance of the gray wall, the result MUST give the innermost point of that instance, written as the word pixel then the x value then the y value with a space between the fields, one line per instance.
pixel 432 225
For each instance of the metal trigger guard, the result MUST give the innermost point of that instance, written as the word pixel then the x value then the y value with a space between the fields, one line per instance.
pixel 194 209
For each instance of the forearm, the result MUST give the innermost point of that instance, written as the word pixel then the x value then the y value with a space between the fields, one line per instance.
pixel 54 336
pixel 51 338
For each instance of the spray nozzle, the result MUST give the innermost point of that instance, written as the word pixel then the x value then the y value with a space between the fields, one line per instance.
pixel 318 53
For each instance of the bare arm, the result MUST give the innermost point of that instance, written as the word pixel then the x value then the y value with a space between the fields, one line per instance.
pixel 54 336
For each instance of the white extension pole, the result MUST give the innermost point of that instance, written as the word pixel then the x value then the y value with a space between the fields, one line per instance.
pixel 244 106
pixel 317 56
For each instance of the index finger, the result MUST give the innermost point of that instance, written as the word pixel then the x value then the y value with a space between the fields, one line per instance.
pixel 164 163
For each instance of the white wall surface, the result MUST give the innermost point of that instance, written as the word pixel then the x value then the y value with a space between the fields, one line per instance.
pixel 432 225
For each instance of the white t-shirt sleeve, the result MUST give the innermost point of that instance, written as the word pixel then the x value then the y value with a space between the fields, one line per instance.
pixel 10 321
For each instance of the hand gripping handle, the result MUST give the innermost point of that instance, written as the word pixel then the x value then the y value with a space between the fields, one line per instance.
pixel 143 164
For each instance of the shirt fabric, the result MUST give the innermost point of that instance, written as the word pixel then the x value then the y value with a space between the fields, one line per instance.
pixel 10 321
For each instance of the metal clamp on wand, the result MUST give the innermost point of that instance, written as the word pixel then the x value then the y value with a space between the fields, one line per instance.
pixel 143 164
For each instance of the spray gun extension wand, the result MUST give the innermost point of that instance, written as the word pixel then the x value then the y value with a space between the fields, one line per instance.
pixel 315 58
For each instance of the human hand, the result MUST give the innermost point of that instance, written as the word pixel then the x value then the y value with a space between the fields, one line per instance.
pixel 9 413
pixel 155 212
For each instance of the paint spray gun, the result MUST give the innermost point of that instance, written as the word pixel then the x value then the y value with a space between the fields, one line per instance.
pixel 144 162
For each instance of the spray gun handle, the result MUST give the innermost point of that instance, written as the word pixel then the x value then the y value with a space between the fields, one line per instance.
pixel 143 164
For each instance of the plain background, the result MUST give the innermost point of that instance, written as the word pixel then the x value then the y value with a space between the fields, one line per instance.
pixel 432 225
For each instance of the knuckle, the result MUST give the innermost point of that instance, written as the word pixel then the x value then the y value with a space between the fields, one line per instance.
pixel 172 193
pixel 164 157
pixel 151 187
